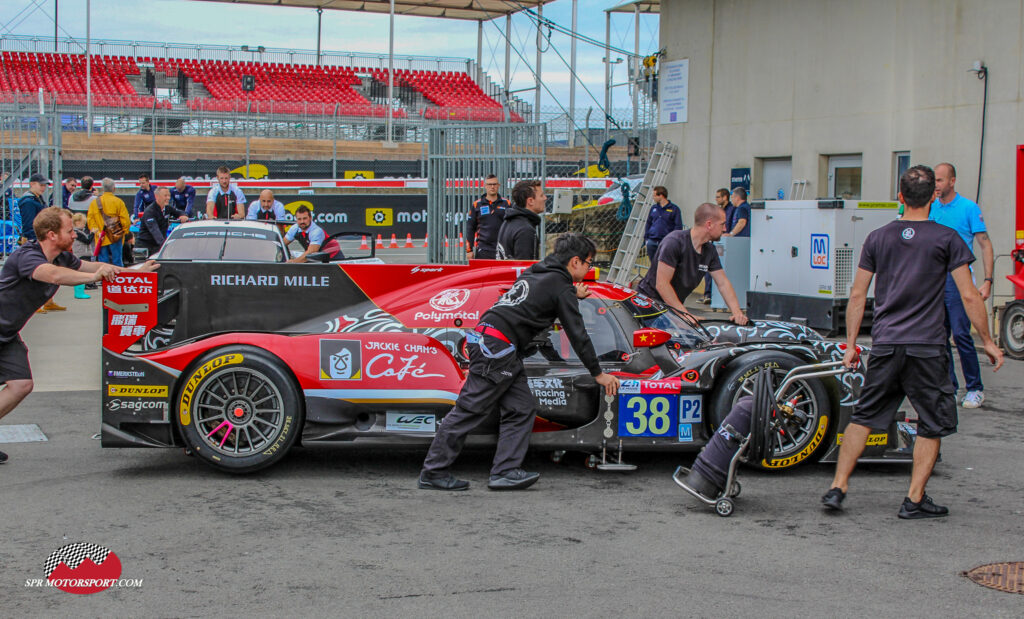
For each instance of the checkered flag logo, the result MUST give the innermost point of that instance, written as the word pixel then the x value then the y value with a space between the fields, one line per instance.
pixel 72 555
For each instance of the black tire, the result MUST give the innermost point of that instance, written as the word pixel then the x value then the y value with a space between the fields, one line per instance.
pixel 1011 330
pixel 804 442
pixel 239 409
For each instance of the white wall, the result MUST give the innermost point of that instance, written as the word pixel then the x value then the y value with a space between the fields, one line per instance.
pixel 806 78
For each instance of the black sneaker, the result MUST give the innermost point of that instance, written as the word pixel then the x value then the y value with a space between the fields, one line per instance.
pixel 925 509
pixel 833 499
pixel 516 479
pixel 443 483
pixel 3 457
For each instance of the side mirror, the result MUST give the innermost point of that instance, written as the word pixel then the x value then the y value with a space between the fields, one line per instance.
pixel 648 338
pixel 140 253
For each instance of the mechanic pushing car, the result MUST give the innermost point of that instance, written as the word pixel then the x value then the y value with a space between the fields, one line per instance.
pixel 910 258
pixel 543 293
pixel 311 236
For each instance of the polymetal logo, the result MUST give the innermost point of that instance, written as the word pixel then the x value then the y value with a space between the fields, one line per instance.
pixel 82 568
pixel 451 299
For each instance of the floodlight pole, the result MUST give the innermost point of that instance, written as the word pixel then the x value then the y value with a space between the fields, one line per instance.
pixel 391 75
pixel 572 79
pixel 508 63
pixel 540 37
pixel 55 7
pixel 88 70
pixel 607 70
pixel 319 22
pixel 636 59
pixel 479 49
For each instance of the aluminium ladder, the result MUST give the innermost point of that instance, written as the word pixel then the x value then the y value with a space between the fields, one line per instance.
pixel 632 240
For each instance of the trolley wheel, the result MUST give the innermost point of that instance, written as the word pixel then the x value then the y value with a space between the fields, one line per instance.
pixel 735 491
pixel 724 508
pixel 557 456
pixel 591 462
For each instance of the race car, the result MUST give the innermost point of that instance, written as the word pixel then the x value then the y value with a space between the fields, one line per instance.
pixel 257 358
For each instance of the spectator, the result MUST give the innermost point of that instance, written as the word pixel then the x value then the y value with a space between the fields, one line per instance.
pixel 739 222
pixel 683 259
pixel 31 203
pixel 155 220
pixel 722 200
pixel 517 237
pixel 183 197
pixel 32 274
pixel 143 197
pixel 311 236
pixel 225 200
pixel 83 197
pixel 81 247
pixel 961 214
pixel 485 218
pixel 663 218
pixel 68 188
pixel 266 208
pixel 108 217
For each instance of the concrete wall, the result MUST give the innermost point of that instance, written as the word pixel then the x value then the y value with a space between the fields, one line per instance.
pixel 811 78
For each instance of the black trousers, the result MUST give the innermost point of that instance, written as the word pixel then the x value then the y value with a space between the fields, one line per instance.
pixel 485 253
pixel 493 383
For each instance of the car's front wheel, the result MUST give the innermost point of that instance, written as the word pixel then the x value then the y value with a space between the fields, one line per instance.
pixel 1011 330
pixel 798 441
pixel 239 409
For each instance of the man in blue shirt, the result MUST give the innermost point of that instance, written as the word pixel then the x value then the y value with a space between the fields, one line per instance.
pixel 68 187
pixel 183 197
pixel 664 217
pixel 143 197
pixel 737 222
pixel 961 214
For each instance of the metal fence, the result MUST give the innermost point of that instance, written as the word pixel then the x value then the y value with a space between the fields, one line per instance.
pixel 459 158
pixel 28 145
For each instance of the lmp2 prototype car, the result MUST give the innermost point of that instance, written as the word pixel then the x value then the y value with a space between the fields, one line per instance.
pixel 258 358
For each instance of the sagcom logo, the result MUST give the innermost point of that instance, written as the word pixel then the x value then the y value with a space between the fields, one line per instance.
pixel 83 568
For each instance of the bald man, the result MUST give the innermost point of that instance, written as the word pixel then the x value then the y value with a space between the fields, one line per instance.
pixel 684 257
pixel 266 208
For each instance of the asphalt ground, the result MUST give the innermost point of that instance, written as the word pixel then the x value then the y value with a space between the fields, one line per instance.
pixel 343 531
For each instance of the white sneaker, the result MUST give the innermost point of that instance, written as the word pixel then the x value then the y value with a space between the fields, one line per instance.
pixel 973 399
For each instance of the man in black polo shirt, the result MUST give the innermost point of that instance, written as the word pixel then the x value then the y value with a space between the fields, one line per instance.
pixel 684 257
pixel 155 221
pixel 910 258
pixel 30 276
pixel 485 218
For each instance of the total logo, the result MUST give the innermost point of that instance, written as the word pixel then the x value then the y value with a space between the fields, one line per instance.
pixel 450 299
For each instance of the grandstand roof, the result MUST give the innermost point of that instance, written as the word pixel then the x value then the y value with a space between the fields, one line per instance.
pixel 646 6
pixel 450 9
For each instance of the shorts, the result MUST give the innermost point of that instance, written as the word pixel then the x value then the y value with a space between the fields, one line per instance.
pixel 14 361
pixel 918 372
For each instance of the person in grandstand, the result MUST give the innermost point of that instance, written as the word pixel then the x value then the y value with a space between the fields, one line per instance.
pixel 156 219
pixel 225 200
pixel 183 197
pixel 29 278
pixel 143 197
pixel 485 218
pixel 311 236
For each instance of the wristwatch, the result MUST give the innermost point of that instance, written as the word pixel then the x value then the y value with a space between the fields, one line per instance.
pixel 988 279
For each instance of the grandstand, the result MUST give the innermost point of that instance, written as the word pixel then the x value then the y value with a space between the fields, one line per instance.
pixel 216 85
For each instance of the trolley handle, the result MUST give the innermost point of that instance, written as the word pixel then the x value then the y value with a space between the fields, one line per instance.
pixel 816 370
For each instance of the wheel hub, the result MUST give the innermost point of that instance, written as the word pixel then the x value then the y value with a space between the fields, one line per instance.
pixel 1017 328
pixel 239 411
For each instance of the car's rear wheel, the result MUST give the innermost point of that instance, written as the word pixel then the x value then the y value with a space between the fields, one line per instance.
pixel 798 442
pixel 1011 330
pixel 239 409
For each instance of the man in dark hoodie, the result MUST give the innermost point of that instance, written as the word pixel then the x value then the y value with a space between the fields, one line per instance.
pixel 517 238
pixel 543 293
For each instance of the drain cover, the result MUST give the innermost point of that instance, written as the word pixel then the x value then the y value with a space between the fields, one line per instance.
pixel 24 433
pixel 1008 577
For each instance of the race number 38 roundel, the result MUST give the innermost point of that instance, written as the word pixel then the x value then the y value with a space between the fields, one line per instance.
pixel 655 408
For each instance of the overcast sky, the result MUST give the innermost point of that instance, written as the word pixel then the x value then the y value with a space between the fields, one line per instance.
pixel 188 21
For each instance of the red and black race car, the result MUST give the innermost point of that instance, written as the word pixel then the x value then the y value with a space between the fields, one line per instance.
pixel 252 359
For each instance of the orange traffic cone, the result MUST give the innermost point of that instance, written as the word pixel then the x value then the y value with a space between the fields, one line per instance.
pixel 461 242
pixel 363 245
pixel 446 242
pixel 425 239
pixel 380 242
pixel 394 242
pixel 408 241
